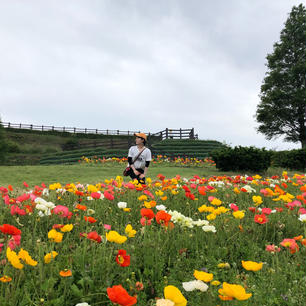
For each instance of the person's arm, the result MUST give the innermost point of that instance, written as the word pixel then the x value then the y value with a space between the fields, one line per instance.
pixel 145 170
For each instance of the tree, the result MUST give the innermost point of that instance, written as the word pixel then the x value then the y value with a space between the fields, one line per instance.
pixel 282 110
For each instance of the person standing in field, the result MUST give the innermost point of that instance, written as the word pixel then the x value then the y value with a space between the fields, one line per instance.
pixel 139 158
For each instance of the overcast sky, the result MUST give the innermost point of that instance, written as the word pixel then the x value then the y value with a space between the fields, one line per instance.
pixel 139 65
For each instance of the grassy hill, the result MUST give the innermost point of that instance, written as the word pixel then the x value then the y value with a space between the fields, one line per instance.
pixel 28 147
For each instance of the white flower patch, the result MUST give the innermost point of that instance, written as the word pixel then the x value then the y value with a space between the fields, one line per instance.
pixel 209 228
pixel 43 206
pixel 218 184
pixel 195 284
pixel 249 189
pixel 302 218
pixel 160 207
pixel 122 205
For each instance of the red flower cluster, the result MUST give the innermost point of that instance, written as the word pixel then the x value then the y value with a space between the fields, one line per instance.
pixel 10 229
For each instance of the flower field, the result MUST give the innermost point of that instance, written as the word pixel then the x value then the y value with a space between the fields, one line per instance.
pixel 220 240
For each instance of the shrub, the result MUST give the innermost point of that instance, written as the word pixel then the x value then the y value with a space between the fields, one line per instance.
pixel 71 144
pixel 293 159
pixel 241 158
pixel 13 147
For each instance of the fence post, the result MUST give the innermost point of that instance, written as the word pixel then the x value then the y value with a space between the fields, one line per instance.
pixel 74 130
pixel 192 133
pixel 9 125
pixel 42 128
pixel 85 130
pixel 117 132
pixel 63 129
pixel 166 133
pixel 20 125
pixel 31 126
pixel 180 133
pixel 96 131
pixel 106 132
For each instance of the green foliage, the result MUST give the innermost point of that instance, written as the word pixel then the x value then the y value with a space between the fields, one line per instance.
pixel 293 159
pixel 281 111
pixel 3 144
pixel 160 255
pixel 241 158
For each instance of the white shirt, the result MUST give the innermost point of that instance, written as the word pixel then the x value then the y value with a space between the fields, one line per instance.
pixel 143 157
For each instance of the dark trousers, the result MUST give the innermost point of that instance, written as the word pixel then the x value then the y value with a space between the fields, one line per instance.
pixel 134 176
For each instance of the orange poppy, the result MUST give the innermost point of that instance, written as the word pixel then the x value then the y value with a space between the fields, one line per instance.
pixel 65 273
pixel 81 207
pixel 5 279
pixel 90 219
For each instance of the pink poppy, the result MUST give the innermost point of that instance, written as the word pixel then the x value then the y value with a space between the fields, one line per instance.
pixel 107 226
pixel 302 211
pixel 61 210
pixel 148 193
pixel 144 221
pixel 14 241
pixel 272 248
pixel 23 197
pixel 234 207
pixel 15 210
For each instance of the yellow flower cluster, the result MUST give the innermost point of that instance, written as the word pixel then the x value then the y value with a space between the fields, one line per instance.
pixel 23 255
pixel 55 236
pixel 48 257
pixel 130 231
pixel 114 236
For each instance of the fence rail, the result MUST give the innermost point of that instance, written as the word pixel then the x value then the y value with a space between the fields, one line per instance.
pixel 165 134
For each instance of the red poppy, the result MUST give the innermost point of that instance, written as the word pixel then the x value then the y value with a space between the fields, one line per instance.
pixel 79 193
pixel 95 195
pixel 90 219
pixel 261 219
pixel 201 190
pixel 161 177
pixel 108 195
pixel 162 217
pixel 94 236
pixel 10 187
pixel 117 294
pixel 9 229
pixel 25 184
pixel 147 213
pixel 122 259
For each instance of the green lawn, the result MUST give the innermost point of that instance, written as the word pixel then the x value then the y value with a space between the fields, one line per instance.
pixel 35 175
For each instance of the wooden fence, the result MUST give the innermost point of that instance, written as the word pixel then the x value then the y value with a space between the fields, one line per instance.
pixel 74 130
pixel 177 134
pixel 165 134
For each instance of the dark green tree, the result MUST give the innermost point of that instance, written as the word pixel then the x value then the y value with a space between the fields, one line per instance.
pixel 3 144
pixel 282 109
